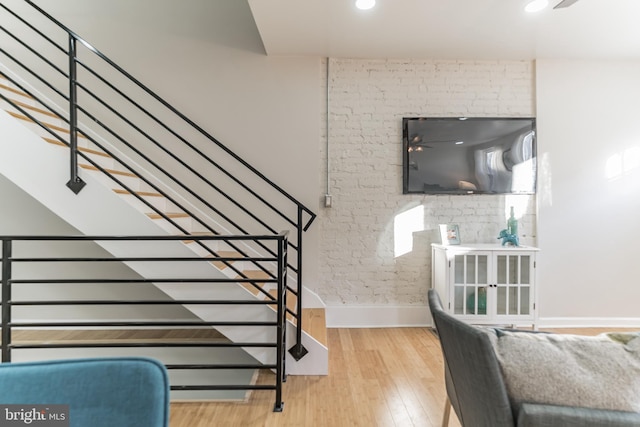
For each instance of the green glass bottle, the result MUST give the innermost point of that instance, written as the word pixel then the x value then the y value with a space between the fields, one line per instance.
pixel 512 224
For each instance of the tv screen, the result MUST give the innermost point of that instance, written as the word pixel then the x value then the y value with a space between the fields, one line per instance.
pixel 461 155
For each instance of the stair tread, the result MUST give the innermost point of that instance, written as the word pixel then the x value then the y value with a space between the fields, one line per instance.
pixel 314 322
pixel 83 149
pixel 139 193
pixel 313 319
pixel 251 288
pixel 255 274
pixel 35 109
pixel 224 254
pixel 198 233
pixel 111 171
pixel 125 341
pixel 45 124
pixel 14 90
pixel 123 335
pixel 169 215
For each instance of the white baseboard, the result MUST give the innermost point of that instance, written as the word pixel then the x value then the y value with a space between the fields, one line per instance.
pixel 377 316
pixel 589 322
pixel 383 316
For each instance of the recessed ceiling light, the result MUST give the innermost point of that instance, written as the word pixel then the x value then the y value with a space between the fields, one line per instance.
pixel 365 4
pixel 536 5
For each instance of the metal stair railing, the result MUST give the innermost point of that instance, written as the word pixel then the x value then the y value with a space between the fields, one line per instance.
pixel 74 255
pixel 148 138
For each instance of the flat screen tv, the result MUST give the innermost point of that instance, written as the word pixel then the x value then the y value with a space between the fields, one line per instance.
pixel 463 155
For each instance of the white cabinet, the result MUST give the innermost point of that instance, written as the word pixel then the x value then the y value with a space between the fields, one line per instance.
pixel 486 284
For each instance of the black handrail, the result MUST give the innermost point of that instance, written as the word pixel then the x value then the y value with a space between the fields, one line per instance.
pixel 75 183
pixel 26 277
pixel 173 110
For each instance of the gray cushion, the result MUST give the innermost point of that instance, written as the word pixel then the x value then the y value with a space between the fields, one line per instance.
pixel 572 370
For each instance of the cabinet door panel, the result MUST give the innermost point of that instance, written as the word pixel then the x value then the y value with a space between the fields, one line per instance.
pixel 514 301
pixel 512 272
pixel 471 269
pixel 458 265
pixel 525 300
pixel 487 286
pixel 470 277
pixel 513 276
pixel 458 300
pixel 525 270
pixel 501 269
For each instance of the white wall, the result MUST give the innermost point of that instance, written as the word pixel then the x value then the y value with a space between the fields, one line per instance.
pixel 588 113
pixel 364 280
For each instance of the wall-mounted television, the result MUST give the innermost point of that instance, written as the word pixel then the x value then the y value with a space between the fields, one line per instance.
pixel 468 155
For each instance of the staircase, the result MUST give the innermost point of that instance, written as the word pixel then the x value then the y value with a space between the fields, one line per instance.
pixel 139 186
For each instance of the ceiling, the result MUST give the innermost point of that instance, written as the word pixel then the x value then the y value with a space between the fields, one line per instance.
pixel 449 29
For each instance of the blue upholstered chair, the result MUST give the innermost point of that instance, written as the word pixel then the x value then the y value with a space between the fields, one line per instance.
pixel 100 392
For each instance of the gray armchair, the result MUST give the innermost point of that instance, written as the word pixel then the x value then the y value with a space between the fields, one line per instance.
pixel 477 391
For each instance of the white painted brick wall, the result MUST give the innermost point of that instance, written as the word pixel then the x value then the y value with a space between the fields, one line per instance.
pixel 367 100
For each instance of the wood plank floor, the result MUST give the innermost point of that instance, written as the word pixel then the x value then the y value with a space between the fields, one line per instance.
pixel 387 377
pixel 378 377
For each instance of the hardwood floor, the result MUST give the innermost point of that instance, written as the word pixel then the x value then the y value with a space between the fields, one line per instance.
pixel 377 377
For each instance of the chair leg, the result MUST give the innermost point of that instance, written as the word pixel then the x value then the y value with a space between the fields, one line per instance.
pixel 447 411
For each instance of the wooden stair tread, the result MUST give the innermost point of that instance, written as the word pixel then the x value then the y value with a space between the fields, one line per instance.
pixel 14 90
pixel 139 193
pixel 83 149
pixel 35 109
pixel 106 335
pixel 198 233
pixel 314 322
pixel 111 171
pixel 224 254
pixel 292 302
pixel 48 125
pixel 123 341
pixel 254 274
pixel 172 215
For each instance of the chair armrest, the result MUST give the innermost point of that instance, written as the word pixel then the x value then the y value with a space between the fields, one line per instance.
pixel 537 415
